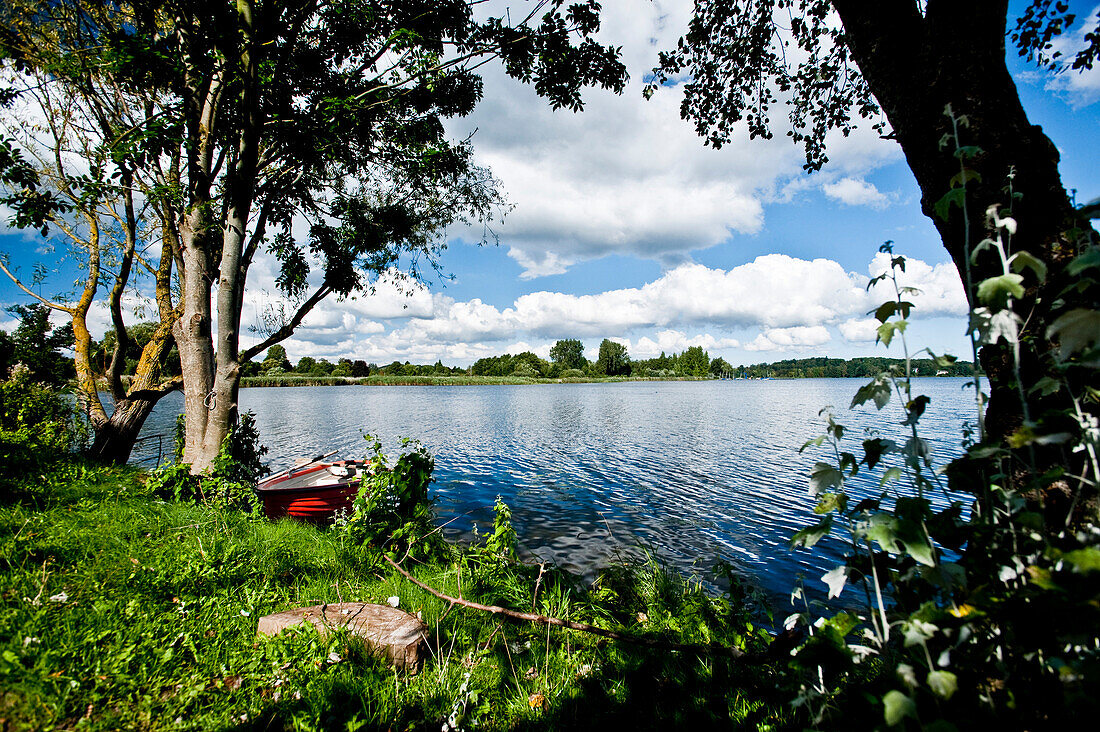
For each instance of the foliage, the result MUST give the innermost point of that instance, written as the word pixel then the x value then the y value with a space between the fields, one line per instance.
pixel 276 359
pixel 121 612
pixel 568 353
pixel 979 612
pixel 36 344
pixel 861 366
pixel 392 512
pixel 743 58
pixel 229 483
pixel 613 359
pixel 38 424
pixel 695 361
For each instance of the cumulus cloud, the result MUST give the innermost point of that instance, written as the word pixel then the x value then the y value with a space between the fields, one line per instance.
pixel 628 176
pixel 795 338
pixel 1078 88
pixel 859 330
pixel 855 192
pixel 774 302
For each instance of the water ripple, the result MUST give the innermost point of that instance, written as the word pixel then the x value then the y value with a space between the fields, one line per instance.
pixel 597 472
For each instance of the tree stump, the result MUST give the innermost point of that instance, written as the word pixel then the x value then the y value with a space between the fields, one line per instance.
pixel 390 632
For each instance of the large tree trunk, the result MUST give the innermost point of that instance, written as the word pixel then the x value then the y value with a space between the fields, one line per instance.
pixel 955 55
pixel 115 438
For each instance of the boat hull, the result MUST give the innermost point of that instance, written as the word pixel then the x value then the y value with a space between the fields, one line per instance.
pixel 316 503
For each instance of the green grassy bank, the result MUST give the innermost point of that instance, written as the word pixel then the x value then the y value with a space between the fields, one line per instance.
pixel 122 611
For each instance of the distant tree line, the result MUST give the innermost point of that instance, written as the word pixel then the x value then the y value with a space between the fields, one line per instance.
pixel 865 366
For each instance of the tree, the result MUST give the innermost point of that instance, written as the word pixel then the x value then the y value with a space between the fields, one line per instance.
pixel 276 360
pixel 254 120
pixel 37 344
pixel 59 170
pixel 613 359
pixel 982 154
pixel 694 361
pixel 305 365
pixel 568 353
pixel 720 367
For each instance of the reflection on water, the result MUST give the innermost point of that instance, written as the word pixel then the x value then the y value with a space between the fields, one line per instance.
pixel 689 471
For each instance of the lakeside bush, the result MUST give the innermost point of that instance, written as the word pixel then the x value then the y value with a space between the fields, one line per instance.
pixel 38 424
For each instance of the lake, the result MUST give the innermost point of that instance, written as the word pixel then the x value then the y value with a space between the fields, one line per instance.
pixel 687 471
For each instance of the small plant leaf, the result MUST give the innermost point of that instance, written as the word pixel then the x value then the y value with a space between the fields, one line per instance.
pixel 824 477
pixel 1089 259
pixel 943 683
pixel 1025 260
pixel 995 291
pixel 877 390
pixel 812 534
pixel 954 197
pixel 897 706
pixel 1074 331
pixel 836 579
pixel 831 502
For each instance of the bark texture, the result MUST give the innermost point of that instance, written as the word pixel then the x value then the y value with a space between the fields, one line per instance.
pixel 954 54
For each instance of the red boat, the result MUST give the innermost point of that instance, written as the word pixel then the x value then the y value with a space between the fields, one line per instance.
pixel 313 492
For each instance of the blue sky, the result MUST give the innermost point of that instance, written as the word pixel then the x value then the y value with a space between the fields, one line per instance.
pixel 625 226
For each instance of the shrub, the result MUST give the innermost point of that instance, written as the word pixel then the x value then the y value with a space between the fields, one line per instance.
pixel 230 482
pixel 392 511
pixel 37 423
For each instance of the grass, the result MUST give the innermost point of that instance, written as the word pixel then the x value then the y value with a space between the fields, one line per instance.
pixel 120 611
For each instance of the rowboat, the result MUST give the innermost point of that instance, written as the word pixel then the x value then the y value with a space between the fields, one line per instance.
pixel 312 492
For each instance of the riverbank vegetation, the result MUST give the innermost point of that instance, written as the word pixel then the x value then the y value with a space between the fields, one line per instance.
pixel 123 606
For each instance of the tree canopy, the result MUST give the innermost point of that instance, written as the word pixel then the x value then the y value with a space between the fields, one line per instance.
pixel 246 124
pixel 568 353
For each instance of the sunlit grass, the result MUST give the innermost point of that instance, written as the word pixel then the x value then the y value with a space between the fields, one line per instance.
pixel 120 611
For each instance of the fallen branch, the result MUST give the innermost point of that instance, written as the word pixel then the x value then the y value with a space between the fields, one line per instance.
pixel 712 649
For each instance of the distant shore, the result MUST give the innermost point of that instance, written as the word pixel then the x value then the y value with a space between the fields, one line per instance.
pixel 461 380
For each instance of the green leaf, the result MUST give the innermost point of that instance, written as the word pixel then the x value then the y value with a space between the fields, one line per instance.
pixel 1089 259
pixel 811 535
pixel 897 706
pixel 991 327
pixel 964 176
pixel 979 248
pixel 943 683
pixel 875 448
pixel 1074 331
pixel 816 442
pixel 1025 260
pixel 885 310
pixel 891 475
pixel 995 291
pixel 953 197
pixel 878 390
pixel 1084 560
pixel 1046 386
pixel 915 409
pixel 881 528
pixel 968 151
pixel 824 477
pixel 831 502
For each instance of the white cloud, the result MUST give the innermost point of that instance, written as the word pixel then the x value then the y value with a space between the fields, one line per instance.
pixel 1078 88
pixel 859 330
pixel 628 176
pixel 855 192
pixel 775 302
pixel 941 290
pixel 784 339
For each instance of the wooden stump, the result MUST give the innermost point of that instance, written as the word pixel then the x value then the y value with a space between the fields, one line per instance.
pixel 390 632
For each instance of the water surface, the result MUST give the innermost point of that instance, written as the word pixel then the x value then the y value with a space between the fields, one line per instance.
pixel 689 471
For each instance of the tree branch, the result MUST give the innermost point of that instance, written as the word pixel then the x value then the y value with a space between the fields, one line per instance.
pixel 712 649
